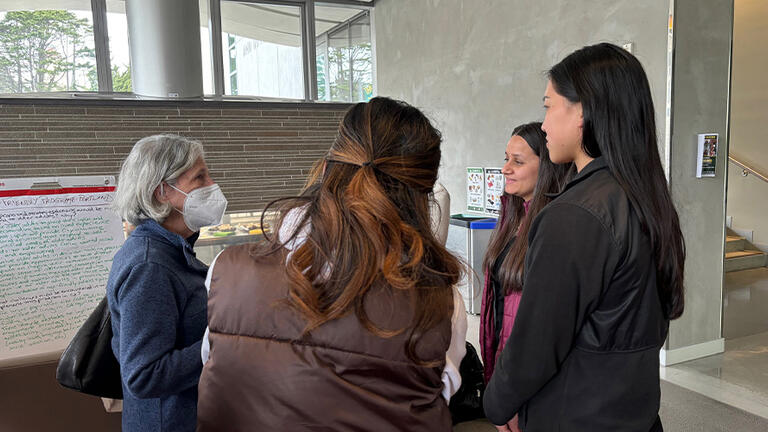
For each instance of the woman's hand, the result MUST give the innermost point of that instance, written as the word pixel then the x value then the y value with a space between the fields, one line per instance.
pixel 511 426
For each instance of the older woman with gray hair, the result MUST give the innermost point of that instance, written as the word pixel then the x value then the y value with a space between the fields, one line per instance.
pixel 156 289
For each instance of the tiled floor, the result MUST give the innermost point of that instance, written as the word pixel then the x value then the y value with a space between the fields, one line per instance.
pixel 686 411
pixel 738 377
pixel 745 303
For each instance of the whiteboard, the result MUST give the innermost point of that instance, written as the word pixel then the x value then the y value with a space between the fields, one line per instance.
pixel 58 236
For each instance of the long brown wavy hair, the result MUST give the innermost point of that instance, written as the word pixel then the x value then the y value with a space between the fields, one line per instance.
pixel 514 223
pixel 367 209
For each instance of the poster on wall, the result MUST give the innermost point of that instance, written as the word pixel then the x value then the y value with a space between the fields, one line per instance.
pixel 494 189
pixel 57 239
pixel 706 155
pixel 475 189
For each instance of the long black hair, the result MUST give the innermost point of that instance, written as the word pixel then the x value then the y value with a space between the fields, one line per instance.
pixel 619 125
pixel 513 222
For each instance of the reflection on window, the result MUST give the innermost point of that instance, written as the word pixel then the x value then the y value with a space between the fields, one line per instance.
pixel 119 48
pixel 344 55
pixel 323 86
pixel 262 50
pixel 119 57
pixel 45 50
pixel 205 46
pixel 362 63
pixel 48 46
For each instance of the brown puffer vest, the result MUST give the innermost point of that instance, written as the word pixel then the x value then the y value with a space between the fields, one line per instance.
pixel 263 376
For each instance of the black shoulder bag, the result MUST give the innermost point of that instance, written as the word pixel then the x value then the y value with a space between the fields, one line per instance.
pixel 88 365
pixel 467 403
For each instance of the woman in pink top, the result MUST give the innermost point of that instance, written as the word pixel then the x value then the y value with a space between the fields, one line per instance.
pixel 529 175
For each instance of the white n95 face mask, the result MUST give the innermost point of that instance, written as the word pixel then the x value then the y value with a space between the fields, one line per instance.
pixel 204 206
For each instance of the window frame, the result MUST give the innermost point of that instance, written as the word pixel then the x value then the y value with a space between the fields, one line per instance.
pixel 347 26
pixel 309 53
pixel 304 6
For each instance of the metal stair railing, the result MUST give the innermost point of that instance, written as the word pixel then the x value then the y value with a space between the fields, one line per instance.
pixel 747 170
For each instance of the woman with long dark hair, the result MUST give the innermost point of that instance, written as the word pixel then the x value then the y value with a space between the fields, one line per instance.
pixel 529 176
pixel 604 269
pixel 344 320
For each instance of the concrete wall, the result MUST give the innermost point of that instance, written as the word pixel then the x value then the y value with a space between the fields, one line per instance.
pixel 700 104
pixel 748 197
pixel 477 67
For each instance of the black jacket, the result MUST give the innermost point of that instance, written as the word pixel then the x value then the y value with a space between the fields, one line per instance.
pixel 584 352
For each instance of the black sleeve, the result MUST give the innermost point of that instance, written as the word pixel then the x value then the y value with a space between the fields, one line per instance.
pixel 571 258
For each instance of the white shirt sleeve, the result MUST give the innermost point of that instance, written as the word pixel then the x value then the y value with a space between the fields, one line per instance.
pixel 205 348
pixel 458 348
pixel 440 212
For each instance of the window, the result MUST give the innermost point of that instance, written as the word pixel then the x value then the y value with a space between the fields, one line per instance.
pixel 262 50
pixel 205 46
pixel 50 46
pixel 362 61
pixel 119 56
pixel 344 54
pixel 44 49
pixel 119 49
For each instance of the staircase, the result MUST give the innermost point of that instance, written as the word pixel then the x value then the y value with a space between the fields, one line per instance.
pixel 741 254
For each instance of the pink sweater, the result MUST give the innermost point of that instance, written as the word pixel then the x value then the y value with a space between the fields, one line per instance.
pixel 487 330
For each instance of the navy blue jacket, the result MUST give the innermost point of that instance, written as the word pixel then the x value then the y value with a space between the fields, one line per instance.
pixel 158 302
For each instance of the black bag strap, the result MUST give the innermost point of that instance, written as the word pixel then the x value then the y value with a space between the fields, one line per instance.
pixel 88 365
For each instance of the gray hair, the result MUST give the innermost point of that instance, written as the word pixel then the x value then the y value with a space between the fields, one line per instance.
pixel 153 160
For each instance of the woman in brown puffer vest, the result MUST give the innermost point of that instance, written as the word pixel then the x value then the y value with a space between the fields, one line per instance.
pixel 341 321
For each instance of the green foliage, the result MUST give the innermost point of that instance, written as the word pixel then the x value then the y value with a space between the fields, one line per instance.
pixel 46 50
pixel 338 73
pixel 321 75
pixel 121 79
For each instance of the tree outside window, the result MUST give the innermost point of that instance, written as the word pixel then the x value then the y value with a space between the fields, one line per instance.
pixel 345 62
pixel 46 51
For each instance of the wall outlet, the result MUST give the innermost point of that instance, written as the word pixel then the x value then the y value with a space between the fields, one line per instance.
pixel 629 46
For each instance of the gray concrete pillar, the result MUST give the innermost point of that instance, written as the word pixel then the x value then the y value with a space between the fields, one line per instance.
pixel 700 98
pixel 165 48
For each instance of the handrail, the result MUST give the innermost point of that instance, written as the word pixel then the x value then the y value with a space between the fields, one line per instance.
pixel 747 170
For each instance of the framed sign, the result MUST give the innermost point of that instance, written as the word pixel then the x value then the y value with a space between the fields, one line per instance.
pixel 706 155
pixel 475 189
pixel 494 189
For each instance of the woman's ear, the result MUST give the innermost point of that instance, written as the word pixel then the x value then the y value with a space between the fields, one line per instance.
pixel 161 193
pixel 581 115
